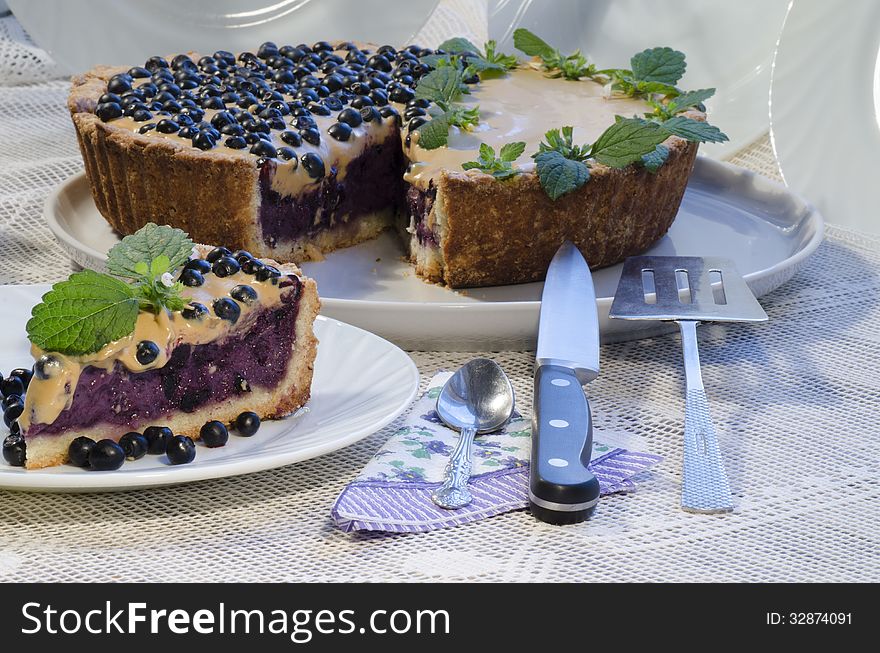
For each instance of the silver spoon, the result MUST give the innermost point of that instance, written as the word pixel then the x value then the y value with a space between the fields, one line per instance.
pixel 478 398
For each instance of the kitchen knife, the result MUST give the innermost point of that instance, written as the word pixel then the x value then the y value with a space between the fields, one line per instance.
pixel 561 488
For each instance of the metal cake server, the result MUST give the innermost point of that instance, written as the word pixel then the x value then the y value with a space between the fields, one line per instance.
pixel 690 290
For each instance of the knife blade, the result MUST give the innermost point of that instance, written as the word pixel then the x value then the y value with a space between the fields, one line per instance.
pixel 561 488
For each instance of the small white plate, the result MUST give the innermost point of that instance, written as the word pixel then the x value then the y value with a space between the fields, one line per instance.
pixel 825 108
pixel 361 383
pixel 727 211
pixel 80 35
pixel 729 46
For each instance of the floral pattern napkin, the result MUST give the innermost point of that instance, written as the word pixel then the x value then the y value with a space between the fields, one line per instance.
pixel 393 492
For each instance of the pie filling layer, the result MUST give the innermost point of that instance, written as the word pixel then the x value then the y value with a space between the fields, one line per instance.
pixel 194 376
pixel 372 182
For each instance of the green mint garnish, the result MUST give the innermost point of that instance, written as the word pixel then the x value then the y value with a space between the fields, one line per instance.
pixel 435 132
pixel 654 160
pixel 562 141
pixel 573 66
pixel 486 62
pixel 83 313
pixel 507 61
pixel 501 166
pixel 661 65
pixel 558 175
pixel 147 244
pixel 88 310
pixel 441 85
pixel 693 130
pixel 627 141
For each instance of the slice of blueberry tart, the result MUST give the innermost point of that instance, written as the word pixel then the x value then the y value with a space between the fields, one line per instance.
pixel 484 163
pixel 174 337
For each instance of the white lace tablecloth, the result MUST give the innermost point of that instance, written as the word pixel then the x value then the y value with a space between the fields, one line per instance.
pixel 795 400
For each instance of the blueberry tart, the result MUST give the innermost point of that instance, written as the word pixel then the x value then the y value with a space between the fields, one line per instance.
pixel 146 353
pixel 294 151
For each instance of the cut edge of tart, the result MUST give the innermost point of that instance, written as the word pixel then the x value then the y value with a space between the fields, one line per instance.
pixel 253 350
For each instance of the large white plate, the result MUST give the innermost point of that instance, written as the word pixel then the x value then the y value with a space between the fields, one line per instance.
pixel 825 108
pixel 729 46
pixel 727 211
pixel 361 383
pixel 82 34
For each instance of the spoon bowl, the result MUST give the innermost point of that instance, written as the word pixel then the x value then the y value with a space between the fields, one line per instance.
pixel 478 398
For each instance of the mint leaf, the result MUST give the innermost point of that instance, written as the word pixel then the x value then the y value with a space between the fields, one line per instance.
pixel 500 167
pixel 653 161
pixel 559 175
pixel 512 151
pixel 532 45
pixel 506 61
pixel 692 98
pixel 83 313
pixel 148 243
pixel 627 141
pixel 458 44
pixel 434 133
pixel 440 85
pixel 693 130
pixel 663 65
pixel 561 141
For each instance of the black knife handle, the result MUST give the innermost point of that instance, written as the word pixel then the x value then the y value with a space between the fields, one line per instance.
pixel 561 488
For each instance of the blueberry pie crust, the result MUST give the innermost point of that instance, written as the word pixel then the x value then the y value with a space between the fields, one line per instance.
pixel 293 152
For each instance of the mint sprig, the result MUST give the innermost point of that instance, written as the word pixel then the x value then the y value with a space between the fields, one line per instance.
pixel 501 166
pixel 441 85
pixel 572 66
pixel 83 313
pixel 145 245
pixel 459 51
pixel 90 309
pixel 560 163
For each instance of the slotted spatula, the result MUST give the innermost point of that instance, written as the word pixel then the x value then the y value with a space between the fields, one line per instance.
pixel 690 290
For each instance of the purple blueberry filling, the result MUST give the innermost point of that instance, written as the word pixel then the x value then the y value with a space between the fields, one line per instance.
pixel 193 377
pixel 420 202
pixel 373 182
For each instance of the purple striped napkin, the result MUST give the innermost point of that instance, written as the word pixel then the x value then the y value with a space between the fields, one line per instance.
pixel 393 492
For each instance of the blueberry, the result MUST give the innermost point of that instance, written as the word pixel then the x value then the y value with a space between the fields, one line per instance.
pixel 351 117
pixel 119 84
pixel 412 112
pixel 148 127
pixel 319 109
pixel 232 130
pixel 15 450
pixel 361 101
pixel 191 278
pixel 244 293
pixel 311 135
pixel 194 311
pixel 13 413
pixel 10 400
pixel 253 266
pixel 109 97
pixel 422 103
pixel 227 309
pixel 108 111
pixel 199 265
pixel 303 121
pixel 46 366
pixel 313 164
pixel 23 374
pixel 106 456
pixel 134 445
pixel 137 72
pixel 416 122
pixel 157 439
pixel 203 141
pixel 78 451
pixel 379 62
pixel 225 266
pixel 333 103
pixel 340 131
pixel 141 115
pixel 154 63
pixel 214 434
pixel 388 112
pixel 263 148
pixel 216 253
pixel 287 154
pixel 247 423
pixel 11 385
pixel 291 138
pixel 267 272
pixel 147 352
pixel 379 97
pixel 371 114
pixel 167 126
pixel 180 450
pixel 212 102
pixel 401 94
pixel 242 255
